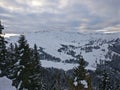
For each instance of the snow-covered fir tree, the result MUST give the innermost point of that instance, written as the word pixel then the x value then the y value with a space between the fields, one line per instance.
pixel 104 76
pixel 29 68
pixel 81 77
pixel 3 52
pixel 105 81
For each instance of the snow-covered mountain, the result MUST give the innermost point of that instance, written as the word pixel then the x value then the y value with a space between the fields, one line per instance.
pixel 61 49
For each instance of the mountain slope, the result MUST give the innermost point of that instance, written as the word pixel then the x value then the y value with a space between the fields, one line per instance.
pixel 61 49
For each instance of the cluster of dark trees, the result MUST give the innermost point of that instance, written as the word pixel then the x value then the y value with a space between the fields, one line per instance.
pixel 21 64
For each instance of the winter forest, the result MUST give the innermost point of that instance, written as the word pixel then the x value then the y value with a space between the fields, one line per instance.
pixel 22 65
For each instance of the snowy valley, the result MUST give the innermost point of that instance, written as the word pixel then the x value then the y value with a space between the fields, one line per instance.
pixel 61 49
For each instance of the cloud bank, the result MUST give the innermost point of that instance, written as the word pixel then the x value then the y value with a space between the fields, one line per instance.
pixel 81 15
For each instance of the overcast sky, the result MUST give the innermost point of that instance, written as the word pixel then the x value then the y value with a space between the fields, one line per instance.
pixel 80 15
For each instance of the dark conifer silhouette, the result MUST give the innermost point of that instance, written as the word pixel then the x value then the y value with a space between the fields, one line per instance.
pixel 1 28
pixel 82 79
pixel 3 52
pixel 29 67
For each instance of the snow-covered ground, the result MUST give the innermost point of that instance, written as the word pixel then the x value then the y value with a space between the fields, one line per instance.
pixel 6 84
pixel 58 65
pixel 51 41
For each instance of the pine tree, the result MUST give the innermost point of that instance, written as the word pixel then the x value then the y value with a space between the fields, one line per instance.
pixel 104 82
pixel 13 61
pixel 81 77
pixel 18 67
pixel 57 81
pixel 10 61
pixel 1 28
pixel 104 76
pixel 8 58
pixel 105 85
pixel 29 67
pixel 36 71
pixel 3 52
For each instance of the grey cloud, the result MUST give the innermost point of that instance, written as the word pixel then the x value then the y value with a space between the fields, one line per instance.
pixel 34 15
